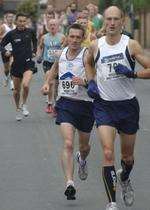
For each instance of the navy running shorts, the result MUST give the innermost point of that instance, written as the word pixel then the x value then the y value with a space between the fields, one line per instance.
pixel 123 115
pixel 77 113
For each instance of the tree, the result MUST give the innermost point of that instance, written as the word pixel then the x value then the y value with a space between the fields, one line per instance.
pixel 141 4
pixel 104 4
pixel 29 7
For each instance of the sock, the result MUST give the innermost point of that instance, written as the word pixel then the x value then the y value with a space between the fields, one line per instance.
pixel 110 181
pixel 49 103
pixel 70 182
pixel 82 162
pixel 126 170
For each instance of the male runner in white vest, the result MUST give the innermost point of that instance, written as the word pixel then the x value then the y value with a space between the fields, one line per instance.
pixel 116 108
pixel 74 107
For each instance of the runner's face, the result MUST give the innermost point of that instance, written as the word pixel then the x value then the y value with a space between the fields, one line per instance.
pixel 83 22
pixel 21 22
pixel 75 38
pixel 10 18
pixel 113 21
pixel 53 27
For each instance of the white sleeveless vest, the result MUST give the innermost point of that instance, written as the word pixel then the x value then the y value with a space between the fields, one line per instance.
pixel 7 29
pixel 113 87
pixel 68 69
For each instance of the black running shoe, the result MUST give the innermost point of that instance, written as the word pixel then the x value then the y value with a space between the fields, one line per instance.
pixel 70 192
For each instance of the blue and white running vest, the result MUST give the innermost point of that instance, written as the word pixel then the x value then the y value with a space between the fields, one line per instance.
pixel 68 69
pixel 52 45
pixel 112 86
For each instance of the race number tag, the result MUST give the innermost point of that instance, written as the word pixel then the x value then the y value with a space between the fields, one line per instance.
pixel 109 73
pixel 53 54
pixel 67 87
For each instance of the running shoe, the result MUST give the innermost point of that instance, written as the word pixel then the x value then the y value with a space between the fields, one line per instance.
pixel 11 84
pixel 112 206
pixel 82 167
pixel 49 109
pixel 25 111
pixel 6 81
pixel 18 115
pixel 127 193
pixel 70 192
pixel 54 113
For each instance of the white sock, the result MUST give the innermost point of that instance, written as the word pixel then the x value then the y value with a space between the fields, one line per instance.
pixel 70 182
pixel 82 162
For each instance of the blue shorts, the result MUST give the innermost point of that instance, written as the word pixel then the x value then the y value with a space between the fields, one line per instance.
pixel 123 115
pixel 77 113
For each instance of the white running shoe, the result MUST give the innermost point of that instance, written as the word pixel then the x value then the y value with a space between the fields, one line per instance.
pixel 6 81
pixel 82 170
pixel 112 206
pixel 127 193
pixel 25 111
pixel 46 99
pixel 18 115
pixel 11 84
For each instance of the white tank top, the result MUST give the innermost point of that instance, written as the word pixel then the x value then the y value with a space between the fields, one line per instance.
pixel 7 29
pixel 113 87
pixel 68 69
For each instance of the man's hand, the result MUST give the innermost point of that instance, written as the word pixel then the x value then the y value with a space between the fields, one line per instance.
pixel 78 81
pixel 33 55
pixel 45 89
pixel 7 53
pixel 93 91
pixel 121 69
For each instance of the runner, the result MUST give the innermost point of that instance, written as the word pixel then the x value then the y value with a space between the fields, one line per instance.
pixel 116 108
pixel 24 45
pixel 74 108
pixel 7 26
pixel 49 47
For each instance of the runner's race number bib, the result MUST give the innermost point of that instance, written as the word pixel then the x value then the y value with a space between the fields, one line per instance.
pixel 67 87
pixel 53 54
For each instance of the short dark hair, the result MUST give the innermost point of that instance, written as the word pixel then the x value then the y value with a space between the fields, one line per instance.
pixel 21 15
pixel 9 12
pixel 76 26
pixel 50 13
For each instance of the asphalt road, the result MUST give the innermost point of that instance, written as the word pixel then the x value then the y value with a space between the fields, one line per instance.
pixel 30 174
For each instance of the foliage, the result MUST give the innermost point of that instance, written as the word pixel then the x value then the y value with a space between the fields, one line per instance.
pixel 125 4
pixel 141 4
pixel 29 7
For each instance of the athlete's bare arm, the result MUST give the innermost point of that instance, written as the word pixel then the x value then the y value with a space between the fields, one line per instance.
pixel 40 47
pixel 89 61
pixel 137 52
pixel 2 31
pixel 52 74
